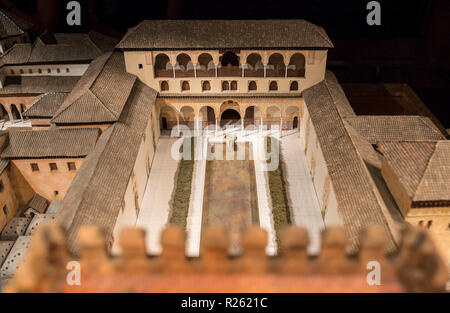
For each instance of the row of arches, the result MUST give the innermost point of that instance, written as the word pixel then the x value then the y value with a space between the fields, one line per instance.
pixel 230 65
pixel 15 112
pixel 230 114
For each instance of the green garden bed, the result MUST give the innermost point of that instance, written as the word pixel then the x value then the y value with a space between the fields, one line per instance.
pixel 182 193
pixel 280 204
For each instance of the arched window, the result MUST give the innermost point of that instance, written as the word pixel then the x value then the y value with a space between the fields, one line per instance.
pixel 229 65
pixel 254 66
pixel 206 85
pixel 429 224
pixel 294 86
pixel 296 67
pixel 225 85
pixel 229 58
pixel 164 85
pixel 275 66
pixel 185 85
pixel 233 85
pixel 206 66
pixel 163 68
pixel 273 85
pixel 252 85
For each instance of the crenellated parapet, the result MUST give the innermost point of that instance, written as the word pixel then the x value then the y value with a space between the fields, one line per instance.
pixel 416 267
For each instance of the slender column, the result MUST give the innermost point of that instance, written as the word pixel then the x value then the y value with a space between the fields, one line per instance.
pixel 261 125
pixel 195 70
pixel 243 69
pixel 173 69
pixel 216 71
pixel 242 126
pixel 285 71
pixel 281 125
pixel 217 128
pixel 265 70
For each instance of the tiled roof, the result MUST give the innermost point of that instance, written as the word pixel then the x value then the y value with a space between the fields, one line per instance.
pixel 46 105
pixel 3 165
pixel 209 34
pixel 96 193
pixel 59 48
pixel 77 142
pixel 395 128
pixel 423 168
pixel 12 25
pixel 100 94
pixel 358 200
pixel 19 85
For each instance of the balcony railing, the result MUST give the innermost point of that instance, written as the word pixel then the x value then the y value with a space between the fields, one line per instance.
pixel 232 71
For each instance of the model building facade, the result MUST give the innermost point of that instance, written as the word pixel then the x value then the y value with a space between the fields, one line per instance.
pixel 94 138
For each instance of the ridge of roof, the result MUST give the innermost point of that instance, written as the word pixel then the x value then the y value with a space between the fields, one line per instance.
pixel 300 33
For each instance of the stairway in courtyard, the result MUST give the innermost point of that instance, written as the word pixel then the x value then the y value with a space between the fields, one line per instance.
pixel 155 209
pixel 302 195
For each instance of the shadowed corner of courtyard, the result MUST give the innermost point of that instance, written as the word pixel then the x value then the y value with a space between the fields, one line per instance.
pixel 230 197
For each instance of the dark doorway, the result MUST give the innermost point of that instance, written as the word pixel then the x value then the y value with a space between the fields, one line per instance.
pixel 211 116
pixel 295 123
pixel 164 123
pixel 230 117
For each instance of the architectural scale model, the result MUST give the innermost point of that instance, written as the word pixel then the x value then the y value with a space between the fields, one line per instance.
pixel 93 130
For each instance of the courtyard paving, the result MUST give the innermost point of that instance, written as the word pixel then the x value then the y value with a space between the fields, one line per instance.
pixel 301 193
pixel 155 210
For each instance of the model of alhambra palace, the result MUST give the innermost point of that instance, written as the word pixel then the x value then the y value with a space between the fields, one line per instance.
pixel 89 127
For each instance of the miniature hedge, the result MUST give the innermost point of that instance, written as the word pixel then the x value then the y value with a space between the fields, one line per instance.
pixel 280 205
pixel 182 194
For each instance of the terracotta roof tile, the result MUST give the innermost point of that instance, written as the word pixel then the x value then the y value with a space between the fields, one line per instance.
pixel 395 128
pixel 46 105
pixel 204 34
pixel 77 142
pixel 348 173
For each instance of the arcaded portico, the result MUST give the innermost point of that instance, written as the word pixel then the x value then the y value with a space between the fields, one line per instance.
pixel 197 113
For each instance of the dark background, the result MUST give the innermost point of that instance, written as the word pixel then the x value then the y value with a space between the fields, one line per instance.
pixel 412 45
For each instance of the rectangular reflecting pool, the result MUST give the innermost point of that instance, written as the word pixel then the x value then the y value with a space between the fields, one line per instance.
pixel 230 198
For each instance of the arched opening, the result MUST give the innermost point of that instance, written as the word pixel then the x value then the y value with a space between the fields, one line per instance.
pixel 230 117
pixel 254 66
pixel 296 67
pixel 251 85
pixel 206 66
pixel 273 117
pixel 206 86
pixel 184 66
pixel 275 66
pixel 185 85
pixel 273 86
pixel 4 114
pixel 294 86
pixel 163 68
pixel 187 116
pixel 164 85
pixel 291 117
pixel 233 85
pixel 168 118
pixel 229 65
pixel 225 85
pixel 15 112
pixel 252 116
pixel 207 116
